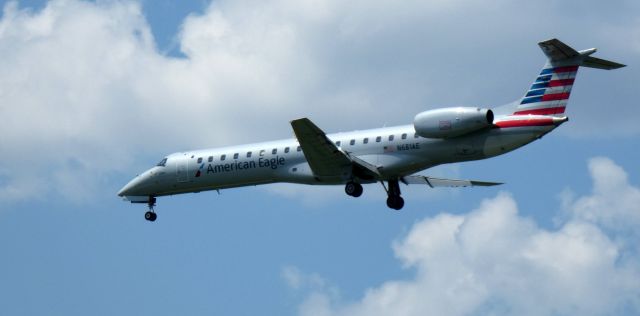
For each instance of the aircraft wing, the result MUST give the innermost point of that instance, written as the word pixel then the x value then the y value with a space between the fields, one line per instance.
pixel 324 157
pixel 438 182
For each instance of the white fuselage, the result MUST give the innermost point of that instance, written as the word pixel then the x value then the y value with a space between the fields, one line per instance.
pixel 392 155
pixel 395 151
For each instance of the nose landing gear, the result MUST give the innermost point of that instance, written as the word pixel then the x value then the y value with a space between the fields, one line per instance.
pixel 151 215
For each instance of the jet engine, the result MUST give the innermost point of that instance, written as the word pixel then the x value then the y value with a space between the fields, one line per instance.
pixel 452 122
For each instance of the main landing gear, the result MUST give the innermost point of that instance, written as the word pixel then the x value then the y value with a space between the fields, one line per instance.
pixel 353 189
pixel 151 215
pixel 394 200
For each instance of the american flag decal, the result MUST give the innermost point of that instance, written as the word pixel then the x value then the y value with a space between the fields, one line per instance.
pixel 445 125
pixel 549 93
pixel 198 173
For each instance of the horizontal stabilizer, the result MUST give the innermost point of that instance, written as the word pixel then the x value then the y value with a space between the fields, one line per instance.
pixel 593 62
pixel 557 50
pixel 439 182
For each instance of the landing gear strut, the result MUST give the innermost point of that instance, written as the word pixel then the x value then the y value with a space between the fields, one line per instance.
pixel 353 189
pixel 394 200
pixel 151 215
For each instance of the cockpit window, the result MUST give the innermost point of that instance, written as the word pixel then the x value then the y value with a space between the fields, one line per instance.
pixel 162 162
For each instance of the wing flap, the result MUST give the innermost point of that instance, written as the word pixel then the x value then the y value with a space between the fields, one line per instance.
pixel 439 182
pixel 365 169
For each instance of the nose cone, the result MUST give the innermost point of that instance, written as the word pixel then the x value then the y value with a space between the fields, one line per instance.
pixel 139 186
pixel 130 188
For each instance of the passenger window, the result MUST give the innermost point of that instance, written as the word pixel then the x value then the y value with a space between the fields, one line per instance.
pixel 274 151
pixel 248 154
pixel 378 139
pixel 210 158
pixel 365 141
pixel 262 153
pixel 338 143
pixel 223 157
pixel 404 136
pixel 390 137
pixel 352 142
pixel 298 149
pixel 235 156
pixel 200 160
pixel 286 150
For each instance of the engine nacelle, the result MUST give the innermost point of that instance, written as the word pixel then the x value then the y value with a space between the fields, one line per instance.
pixel 452 122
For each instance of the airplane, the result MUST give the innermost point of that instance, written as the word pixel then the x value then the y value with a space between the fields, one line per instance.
pixel 392 154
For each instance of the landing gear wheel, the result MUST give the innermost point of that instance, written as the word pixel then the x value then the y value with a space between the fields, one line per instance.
pixel 150 216
pixel 395 202
pixel 359 190
pixel 353 189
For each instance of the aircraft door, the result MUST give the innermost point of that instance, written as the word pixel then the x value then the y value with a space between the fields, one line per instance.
pixel 182 170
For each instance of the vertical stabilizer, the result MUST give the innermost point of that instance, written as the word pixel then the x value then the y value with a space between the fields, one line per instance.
pixel 549 93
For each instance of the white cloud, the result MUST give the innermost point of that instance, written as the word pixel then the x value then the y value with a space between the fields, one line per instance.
pixel 85 94
pixel 494 261
pixel 614 204
pixel 65 75
pixel 296 279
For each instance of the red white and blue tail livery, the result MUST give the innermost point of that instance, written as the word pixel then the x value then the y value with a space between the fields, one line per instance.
pixel 390 155
pixel 549 93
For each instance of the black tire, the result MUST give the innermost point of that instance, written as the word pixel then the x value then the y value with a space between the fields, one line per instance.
pixel 399 203
pixel 358 191
pixel 395 202
pixel 353 189
pixel 390 202
pixel 350 188
pixel 150 216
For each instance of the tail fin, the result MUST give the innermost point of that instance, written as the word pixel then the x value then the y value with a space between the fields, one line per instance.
pixel 550 92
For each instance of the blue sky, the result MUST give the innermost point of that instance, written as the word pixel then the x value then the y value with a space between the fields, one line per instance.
pixel 92 93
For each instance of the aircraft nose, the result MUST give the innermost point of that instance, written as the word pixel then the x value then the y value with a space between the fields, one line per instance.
pixel 129 187
pixel 134 187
